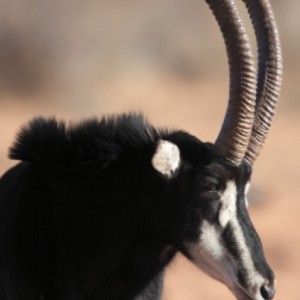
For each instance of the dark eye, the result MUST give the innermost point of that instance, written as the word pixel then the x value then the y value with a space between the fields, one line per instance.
pixel 210 185
pixel 210 193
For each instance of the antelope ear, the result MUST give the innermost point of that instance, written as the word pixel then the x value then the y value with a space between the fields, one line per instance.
pixel 166 158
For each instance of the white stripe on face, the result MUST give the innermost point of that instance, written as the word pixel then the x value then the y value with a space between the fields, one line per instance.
pixel 254 279
pixel 228 204
pixel 229 213
pixel 247 188
pixel 214 258
pixel 210 240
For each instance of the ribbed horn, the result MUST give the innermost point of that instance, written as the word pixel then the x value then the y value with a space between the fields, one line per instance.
pixel 236 129
pixel 269 73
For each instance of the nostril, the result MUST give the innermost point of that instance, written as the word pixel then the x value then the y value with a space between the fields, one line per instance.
pixel 267 291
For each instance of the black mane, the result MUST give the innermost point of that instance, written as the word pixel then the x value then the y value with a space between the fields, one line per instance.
pixel 92 139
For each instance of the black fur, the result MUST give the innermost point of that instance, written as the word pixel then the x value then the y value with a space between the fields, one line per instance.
pixel 86 216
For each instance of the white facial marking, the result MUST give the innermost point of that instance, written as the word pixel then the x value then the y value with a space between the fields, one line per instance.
pixel 210 240
pixel 228 215
pixel 254 278
pixel 247 188
pixel 212 256
pixel 228 204
pixel 166 159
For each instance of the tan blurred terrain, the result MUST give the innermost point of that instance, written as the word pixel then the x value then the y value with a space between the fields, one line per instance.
pixel 75 59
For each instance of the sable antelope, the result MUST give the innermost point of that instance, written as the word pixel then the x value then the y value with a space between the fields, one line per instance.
pixel 98 209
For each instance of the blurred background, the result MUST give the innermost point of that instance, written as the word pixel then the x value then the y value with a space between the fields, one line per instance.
pixel 76 59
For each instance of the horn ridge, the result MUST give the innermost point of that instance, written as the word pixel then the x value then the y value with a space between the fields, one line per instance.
pixel 236 129
pixel 269 73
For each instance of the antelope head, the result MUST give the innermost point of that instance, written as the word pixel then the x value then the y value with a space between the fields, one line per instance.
pixel 228 247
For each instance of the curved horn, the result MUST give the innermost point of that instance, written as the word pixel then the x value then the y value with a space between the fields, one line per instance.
pixel 236 129
pixel 269 73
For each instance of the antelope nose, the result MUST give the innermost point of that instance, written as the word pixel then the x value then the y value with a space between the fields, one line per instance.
pixel 267 291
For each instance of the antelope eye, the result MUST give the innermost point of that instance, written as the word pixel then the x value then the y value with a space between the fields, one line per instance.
pixel 211 185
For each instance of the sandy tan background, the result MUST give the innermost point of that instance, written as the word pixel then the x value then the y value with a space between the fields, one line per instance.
pixel 75 59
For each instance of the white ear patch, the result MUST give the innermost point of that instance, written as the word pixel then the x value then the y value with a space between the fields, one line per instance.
pixel 166 159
